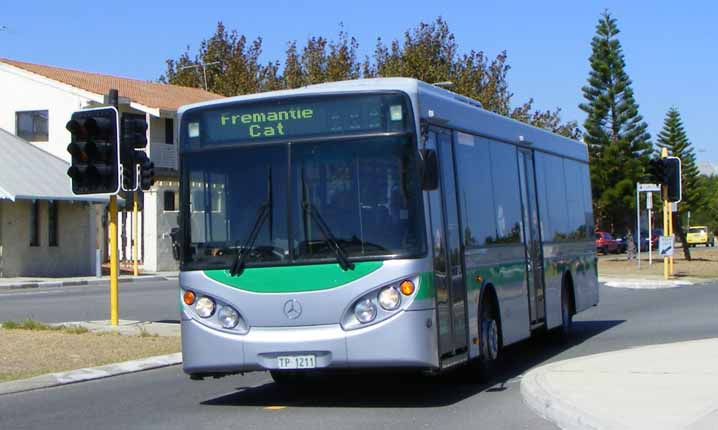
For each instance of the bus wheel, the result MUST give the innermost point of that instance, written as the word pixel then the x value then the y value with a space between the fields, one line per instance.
pixel 489 340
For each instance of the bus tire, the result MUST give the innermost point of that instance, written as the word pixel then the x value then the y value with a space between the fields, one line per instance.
pixel 568 308
pixel 490 339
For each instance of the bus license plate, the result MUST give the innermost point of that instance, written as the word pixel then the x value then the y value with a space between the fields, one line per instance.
pixel 296 362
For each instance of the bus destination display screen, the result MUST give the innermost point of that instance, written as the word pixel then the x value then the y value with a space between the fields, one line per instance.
pixel 296 118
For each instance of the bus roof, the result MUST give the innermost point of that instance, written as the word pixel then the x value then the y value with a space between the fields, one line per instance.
pixel 438 106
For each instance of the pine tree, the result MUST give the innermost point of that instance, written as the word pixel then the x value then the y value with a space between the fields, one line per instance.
pixel 673 137
pixel 618 144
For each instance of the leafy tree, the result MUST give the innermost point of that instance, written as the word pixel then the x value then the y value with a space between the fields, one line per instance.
pixel 428 52
pixel 236 70
pixel 618 144
pixel 707 213
pixel 673 137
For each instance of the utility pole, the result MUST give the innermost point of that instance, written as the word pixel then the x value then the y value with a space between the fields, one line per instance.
pixel 204 70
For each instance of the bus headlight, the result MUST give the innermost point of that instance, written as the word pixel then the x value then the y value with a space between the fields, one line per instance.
pixel 204 307
pixel 365 311
pixel 389 298
pixel 228 317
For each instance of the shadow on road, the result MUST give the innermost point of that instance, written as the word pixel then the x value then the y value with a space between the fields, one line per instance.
pixel 168 321
pixel 400 389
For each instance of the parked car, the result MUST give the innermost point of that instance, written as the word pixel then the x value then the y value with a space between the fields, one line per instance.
pixel 605 243
pixel 655 235
pixel 699 235
pixel 623 243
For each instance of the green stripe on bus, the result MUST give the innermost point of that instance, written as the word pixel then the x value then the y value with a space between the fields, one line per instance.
pixel 426 286
pixel 293 279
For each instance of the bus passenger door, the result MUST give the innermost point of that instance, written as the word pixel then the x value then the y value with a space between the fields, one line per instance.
pixel 532 237
pixel 446 237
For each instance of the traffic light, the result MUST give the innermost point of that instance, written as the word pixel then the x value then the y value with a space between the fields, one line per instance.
pixel 94 150
pixel 134 131
pixel 133 138
pixel 673 189
pixel 667 172
pixel 147 170
pixel 129 172
pixel 656 168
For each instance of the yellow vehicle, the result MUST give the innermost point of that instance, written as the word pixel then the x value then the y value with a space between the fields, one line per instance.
pixel 699 235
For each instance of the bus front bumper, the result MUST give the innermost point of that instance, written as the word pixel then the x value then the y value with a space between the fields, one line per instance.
pixel 406 340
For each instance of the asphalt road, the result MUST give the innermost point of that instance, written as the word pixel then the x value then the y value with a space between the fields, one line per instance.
pixel 167 399
pixel 142 301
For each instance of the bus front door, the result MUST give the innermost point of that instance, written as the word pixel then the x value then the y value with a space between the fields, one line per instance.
pixel 446 237
pixel 532 238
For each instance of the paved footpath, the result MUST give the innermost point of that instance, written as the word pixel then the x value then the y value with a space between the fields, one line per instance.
pixel 670 386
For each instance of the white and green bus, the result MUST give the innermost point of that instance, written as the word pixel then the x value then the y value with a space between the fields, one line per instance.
pixel 377 223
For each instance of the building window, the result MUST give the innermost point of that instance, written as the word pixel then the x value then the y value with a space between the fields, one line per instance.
pixel 32 125
pixel 171 201
pixel 52 210
pixel 169 131
pixel 35 223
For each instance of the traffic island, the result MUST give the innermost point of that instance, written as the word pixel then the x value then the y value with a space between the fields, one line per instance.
pixel 624 273
pixel 37 355
pixel 666 386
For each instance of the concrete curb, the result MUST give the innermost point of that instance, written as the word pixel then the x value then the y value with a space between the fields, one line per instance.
pixel 617 379
pixel 80 282
pixel 555 409
pixel 89 373
pixel 646 284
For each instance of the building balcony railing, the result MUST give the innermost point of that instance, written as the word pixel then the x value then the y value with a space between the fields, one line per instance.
pixel 164 155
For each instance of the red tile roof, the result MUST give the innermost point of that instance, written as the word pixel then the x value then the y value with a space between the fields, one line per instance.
pixel 150 94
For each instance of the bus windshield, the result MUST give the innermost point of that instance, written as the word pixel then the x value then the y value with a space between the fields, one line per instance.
pixel 365 190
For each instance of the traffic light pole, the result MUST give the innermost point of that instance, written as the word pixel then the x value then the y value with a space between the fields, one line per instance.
pixel 113 97
pixel 135 228
pixel 666 218
pixel 113 261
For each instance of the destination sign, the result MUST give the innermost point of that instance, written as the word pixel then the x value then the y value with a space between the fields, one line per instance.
pixel 296 118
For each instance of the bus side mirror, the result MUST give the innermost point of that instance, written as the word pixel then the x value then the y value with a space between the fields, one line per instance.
pixel 429 170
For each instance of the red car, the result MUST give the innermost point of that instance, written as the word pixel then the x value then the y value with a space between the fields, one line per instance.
pixel 605 243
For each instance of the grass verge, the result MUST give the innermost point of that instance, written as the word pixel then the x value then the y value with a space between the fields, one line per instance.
pixel 703 265
pixel 31 348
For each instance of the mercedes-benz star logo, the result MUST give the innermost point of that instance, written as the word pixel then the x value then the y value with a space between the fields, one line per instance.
pixel 292 309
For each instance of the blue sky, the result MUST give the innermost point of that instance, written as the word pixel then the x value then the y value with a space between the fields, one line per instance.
pixel 670 47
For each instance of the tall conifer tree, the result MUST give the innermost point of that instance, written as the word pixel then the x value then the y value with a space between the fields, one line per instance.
pixel 673 137
pixel 618 144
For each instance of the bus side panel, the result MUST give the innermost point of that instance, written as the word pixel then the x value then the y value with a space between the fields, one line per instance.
pixel 566 217
pixel 578 259
pixel 585 276
pixel 504 267
pixel 553 270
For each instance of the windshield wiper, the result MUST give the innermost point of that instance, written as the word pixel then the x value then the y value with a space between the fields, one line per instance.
pixel 324 228
pixel 263 214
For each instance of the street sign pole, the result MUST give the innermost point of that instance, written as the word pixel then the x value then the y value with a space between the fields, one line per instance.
pixel 649 206
pixel 113 97
pixel 638 222
pixel 648 189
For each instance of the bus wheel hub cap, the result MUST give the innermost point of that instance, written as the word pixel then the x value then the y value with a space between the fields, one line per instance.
pixel 493 339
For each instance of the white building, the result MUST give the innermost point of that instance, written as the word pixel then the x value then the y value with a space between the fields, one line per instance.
pixel 45 230
pixel 37 101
